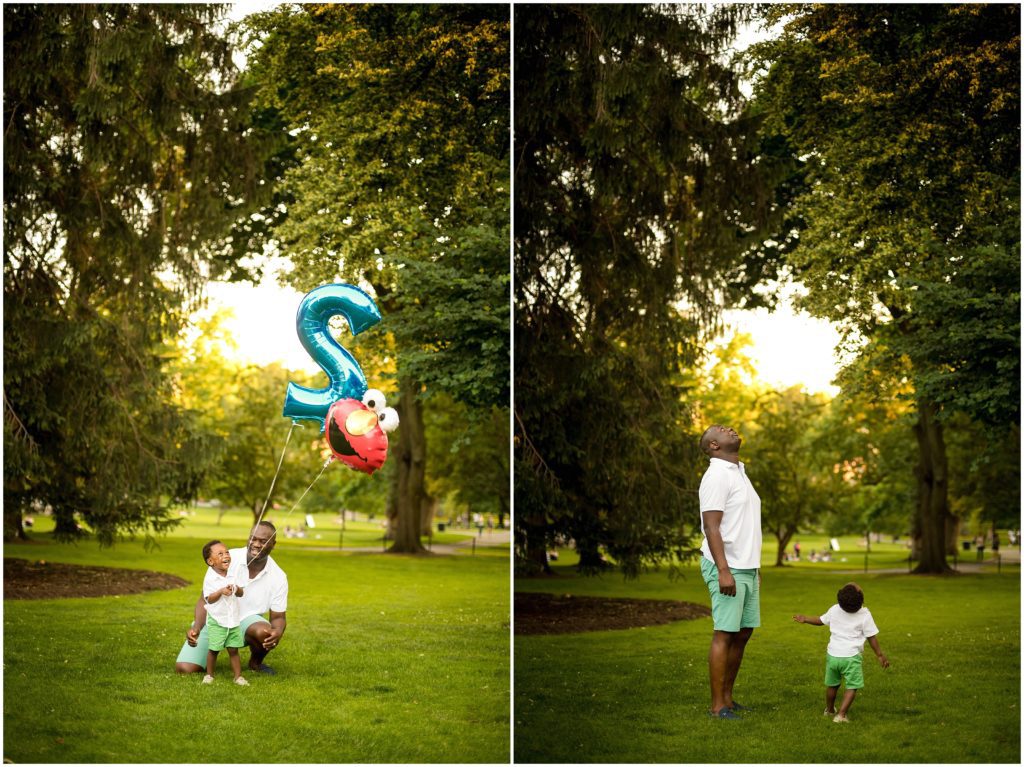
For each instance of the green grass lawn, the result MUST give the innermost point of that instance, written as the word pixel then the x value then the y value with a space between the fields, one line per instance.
pixel 952 694
pixel 387 658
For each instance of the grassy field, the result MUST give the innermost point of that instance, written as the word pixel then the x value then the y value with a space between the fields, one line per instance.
pixel 952 694
pixel 387 658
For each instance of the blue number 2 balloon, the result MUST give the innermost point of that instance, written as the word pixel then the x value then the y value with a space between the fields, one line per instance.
pixel 346 377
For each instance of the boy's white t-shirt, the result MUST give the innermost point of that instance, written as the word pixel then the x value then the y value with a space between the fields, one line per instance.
pixel 849 630
pixel 226 610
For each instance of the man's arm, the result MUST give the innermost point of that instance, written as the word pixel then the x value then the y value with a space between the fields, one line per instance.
pixel 873 641
pixel 713 532
pixel 812 620
pixel 278 623
pixel 192 635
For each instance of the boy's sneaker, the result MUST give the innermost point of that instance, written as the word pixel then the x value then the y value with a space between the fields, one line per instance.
pixel 241 681
pixel 829 713
pixel 207 679
pixel 840 718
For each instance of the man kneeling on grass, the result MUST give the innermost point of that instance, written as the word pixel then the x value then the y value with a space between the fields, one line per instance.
pixel 850 624
pixel 266 592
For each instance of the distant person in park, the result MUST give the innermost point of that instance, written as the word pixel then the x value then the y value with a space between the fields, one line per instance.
pixel 223 586
pixel 261 608
pixel 730 512
pixel 850 623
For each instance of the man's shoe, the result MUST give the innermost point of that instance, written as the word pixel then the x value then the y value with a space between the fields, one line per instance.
pixel 739 708
pixel 263 668
pixel 725 713
pixel 207 679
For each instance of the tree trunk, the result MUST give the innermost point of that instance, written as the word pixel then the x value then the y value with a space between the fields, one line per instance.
pixel 429 511
pixel 783 537
pixel 14 528
pixel 535 561
pixel 408 491
pixel 952 534
pixel 932 491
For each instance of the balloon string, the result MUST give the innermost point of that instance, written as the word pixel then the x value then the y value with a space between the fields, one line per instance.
pixel 293 508
pixel 273 482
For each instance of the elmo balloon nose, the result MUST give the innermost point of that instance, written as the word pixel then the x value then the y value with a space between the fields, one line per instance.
pixel 355 436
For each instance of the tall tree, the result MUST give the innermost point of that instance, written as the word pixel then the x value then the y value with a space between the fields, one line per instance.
pixel 788 460
pixel 637 192
pixel 400 183
pixel 128 156
pixel 908 119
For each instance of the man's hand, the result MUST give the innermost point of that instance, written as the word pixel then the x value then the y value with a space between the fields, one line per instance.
pixel 273 637
pixel 883 660
pixel 726 583
pixel 192 636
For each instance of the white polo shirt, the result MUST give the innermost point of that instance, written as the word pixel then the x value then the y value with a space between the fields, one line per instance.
pixel 725 488
pixel 849 630
pixel 267 591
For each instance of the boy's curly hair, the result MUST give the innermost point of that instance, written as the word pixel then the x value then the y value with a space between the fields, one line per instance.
pixel 207 548
pixel 850 598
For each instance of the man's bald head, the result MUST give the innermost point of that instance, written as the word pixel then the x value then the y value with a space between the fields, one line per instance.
pixel 717 440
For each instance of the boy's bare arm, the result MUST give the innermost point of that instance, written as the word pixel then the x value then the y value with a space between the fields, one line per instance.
pixel 812 619
pixel 873 641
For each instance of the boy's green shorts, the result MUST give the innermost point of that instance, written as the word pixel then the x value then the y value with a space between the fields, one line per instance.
pixel 849 669
pixel 221 636
pixel 733 613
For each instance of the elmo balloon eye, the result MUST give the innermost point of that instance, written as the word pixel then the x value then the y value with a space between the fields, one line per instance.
pixel 360 422
pixel 374 399
pixel 388 419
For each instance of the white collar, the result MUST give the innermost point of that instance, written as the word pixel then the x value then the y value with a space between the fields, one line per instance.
pixel 730 464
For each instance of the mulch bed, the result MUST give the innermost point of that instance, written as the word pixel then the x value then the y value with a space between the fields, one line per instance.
pixel 566 614
pixel 25 579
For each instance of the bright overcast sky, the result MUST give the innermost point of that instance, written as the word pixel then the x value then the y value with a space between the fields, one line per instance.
pixel 789 348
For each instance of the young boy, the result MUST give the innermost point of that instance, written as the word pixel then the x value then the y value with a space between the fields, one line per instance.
pixel 222 586
pixel 850 623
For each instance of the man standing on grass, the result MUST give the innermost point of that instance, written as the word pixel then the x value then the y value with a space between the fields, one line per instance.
pixel 730 512
pixel 266 592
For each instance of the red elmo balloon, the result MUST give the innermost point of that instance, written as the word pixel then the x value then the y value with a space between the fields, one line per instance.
pixel 355 436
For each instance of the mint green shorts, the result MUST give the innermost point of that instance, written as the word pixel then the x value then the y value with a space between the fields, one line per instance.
pixel 197 655
pixel 733 613
pixel 850 670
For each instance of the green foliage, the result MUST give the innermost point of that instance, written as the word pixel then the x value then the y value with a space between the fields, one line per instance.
pixel 470 456
pixel 906 121
pixel 128 155
pixel 791 463
pixel 637 192
pixel 400 122
pixel 908 118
